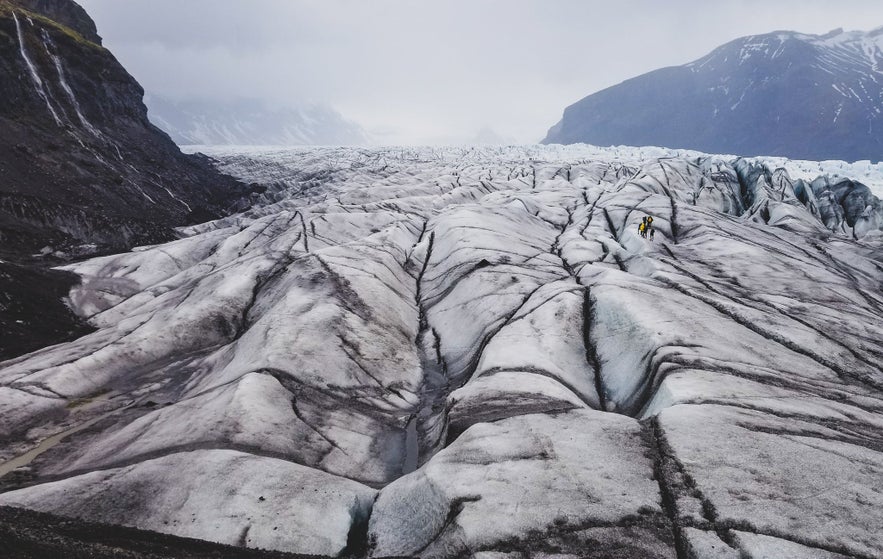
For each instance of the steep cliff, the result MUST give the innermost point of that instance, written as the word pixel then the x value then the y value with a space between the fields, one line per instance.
pixel 82 170
pixel 81 163
pixel 67 13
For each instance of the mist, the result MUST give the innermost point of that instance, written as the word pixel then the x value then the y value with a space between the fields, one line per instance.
pixel 433 73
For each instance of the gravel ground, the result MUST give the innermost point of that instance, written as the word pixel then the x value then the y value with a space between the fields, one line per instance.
pixel 31 535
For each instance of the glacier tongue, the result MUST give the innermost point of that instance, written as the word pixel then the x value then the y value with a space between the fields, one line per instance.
pixel 479 342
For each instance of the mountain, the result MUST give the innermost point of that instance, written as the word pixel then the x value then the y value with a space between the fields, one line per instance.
pixel 251 122
pixel 471 352
pixel 84 171
pixel 487 136
pixel 784 93
pixel 66 13
pixel 82 165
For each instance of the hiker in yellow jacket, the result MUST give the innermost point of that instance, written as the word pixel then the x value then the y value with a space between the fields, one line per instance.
pixel 646 226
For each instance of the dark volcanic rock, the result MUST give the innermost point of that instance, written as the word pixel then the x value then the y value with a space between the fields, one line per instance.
pixel 32 314
pixel 83 170
pixel 66 12
pixel 784 93
pixel 81 162
pixel 31 535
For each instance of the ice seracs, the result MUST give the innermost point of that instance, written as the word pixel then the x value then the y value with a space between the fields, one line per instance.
pixel 452 352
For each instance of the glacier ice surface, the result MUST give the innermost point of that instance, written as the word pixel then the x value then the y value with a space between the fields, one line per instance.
pixel 445 352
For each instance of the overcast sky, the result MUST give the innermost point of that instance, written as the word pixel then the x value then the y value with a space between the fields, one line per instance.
pixel 434 72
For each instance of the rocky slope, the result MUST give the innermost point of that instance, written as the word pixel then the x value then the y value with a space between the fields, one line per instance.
pixel 66 13
pixel 82 164
pixel 783 93
pixel 26 534
pixel 83 170
pixel 451 353
pixel 247 122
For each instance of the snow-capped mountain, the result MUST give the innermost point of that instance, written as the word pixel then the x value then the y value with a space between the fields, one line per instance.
pixel 251 122
pixel 487 136
pixel 473 353
pixel 783 93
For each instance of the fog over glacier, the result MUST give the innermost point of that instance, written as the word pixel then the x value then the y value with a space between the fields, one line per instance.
pixel 434 72
pixel 448 352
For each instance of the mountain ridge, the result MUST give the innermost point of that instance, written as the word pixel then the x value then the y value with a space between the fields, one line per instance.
pixel 64 13
pixel 251 122
pixel 788 94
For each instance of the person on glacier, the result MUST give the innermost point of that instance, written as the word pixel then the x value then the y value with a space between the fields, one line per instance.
pixel 648 227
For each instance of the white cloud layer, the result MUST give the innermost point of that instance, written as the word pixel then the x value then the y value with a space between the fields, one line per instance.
pixel 434 72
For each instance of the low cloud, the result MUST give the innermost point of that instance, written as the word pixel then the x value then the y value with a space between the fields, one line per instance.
pixel 421 72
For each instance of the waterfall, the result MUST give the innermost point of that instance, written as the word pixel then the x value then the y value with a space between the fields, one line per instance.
pixel 38 83
pixel 47 43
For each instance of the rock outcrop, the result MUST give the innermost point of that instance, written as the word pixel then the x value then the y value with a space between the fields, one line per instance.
pixel 82 165
pixel 83 170
pixel 65 12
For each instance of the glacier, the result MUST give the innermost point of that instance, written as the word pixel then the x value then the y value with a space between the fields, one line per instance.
pixel 470 352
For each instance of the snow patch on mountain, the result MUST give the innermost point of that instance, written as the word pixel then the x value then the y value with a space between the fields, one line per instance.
pixel 251 122
pixel 782 93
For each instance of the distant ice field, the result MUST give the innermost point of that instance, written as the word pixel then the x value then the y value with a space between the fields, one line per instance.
pixel 869 174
